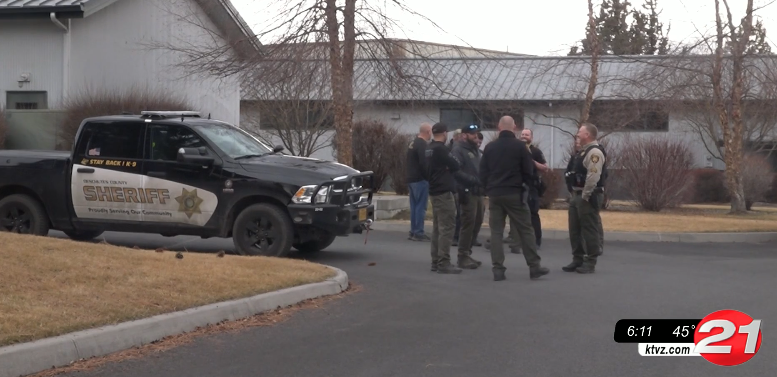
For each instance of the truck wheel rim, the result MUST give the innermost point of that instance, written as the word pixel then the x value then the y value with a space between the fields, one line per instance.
pixel 16 220
pixel 261 234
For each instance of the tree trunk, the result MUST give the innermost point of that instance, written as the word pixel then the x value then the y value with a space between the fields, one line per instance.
pixel 594 78
pixel 342 104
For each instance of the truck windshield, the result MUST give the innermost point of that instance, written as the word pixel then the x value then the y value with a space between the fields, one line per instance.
pixel 232 140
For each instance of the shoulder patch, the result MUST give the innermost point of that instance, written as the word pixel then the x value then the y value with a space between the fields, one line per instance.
pixel 594 158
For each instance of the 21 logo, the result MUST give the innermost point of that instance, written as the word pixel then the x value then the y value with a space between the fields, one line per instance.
pixel 737 342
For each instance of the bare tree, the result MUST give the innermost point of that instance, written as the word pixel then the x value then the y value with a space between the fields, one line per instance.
pixel 303 126
pixel 290 109
pixel 593 40
pixel 314 35
pixel 727 89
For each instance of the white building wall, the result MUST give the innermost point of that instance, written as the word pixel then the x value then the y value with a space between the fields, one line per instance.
pixel 555 127
pixel 111 50
pixel 34 47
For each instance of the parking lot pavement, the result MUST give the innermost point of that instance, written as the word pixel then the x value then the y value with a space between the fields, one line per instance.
pixel 407 321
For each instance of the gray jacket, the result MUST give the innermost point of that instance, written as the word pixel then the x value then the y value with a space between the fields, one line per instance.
pixel 468 156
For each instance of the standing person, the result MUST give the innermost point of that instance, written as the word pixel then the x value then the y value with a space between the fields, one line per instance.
pixel 587 173
pixel 454 141
pixel 418 183
pixel 536 189
pixel 470 197
pixel 442 167
pixel 505 169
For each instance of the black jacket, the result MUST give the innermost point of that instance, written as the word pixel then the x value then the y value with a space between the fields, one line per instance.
pixel 416 161
pixel 506 165
pixel 441 167
pixel 538 156
pixel 444 170
pixel 468 156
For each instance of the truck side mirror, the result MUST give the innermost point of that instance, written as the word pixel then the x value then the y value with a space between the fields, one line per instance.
pixel 195 156
pixel 278 148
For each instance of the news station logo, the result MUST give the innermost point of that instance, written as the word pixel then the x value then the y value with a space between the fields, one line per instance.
pixel 725 337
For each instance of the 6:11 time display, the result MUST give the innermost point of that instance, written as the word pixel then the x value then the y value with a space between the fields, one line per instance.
pixel 639 331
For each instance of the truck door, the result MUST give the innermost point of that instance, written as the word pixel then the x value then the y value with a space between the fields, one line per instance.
pixel 193 189
pixel 106 181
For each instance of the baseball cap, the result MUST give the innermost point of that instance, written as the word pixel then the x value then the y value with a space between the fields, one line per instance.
pixel 439 128
pixel 471 129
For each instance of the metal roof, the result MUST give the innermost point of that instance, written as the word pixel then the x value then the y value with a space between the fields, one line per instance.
pixel 40 3
pixel 42 8
pixel 221 12
pixel 491 79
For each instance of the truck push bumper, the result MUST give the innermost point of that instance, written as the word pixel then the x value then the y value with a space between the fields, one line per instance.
pixel 348 210
pixel 332 218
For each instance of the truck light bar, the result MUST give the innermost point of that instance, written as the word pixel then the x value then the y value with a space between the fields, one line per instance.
pixel 171 114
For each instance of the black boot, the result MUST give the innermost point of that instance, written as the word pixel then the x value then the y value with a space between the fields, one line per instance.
pixel 499 275
pixel 448 269
pixel 571 267
pixel 585 269
pixel 537 272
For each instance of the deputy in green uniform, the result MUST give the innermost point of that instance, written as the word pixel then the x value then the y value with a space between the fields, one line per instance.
pixel 586 175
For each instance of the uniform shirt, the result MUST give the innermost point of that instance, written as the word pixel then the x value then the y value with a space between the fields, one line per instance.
pixel 593 162
pixel 441 166
pixel 416 160
pixel 506 165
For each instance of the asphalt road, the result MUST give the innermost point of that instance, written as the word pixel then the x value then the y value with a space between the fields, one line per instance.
pixel 407 321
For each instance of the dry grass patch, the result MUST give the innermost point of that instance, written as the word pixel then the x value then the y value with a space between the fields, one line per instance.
pixel 681 220
pixel 51 287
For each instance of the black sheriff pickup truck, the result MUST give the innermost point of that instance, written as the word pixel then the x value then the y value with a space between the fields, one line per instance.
pixel 176 173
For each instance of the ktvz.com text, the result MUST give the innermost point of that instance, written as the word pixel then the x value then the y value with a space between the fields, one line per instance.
pixel 667 349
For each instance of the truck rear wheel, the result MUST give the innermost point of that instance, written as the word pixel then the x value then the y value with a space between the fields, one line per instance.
pixel 263 229
pixel 22 214
pixel 316 245
pixel 83 235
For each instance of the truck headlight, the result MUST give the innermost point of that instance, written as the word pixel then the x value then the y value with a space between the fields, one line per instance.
pixel 305 194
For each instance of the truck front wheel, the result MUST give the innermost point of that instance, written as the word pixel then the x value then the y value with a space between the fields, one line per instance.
pixel 83 235
pixel 263 229
pixel 22 214
pixel 320 243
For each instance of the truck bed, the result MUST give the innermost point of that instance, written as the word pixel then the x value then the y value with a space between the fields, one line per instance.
pixel 30 156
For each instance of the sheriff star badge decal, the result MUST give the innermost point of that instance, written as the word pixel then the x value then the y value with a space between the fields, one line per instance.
pixel 189 202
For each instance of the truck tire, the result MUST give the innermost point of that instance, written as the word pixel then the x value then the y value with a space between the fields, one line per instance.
pixel 22 214
pixel 263 229
pixel 314 246
pixel 83 235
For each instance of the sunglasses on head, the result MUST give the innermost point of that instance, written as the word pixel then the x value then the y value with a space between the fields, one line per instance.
pixel 472 127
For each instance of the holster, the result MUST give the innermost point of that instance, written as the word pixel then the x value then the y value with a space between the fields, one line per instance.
pixel 464 196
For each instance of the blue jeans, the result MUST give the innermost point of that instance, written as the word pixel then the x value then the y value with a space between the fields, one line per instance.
pixel 419 199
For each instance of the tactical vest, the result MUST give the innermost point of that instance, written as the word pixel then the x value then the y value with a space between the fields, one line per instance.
pixel 580 172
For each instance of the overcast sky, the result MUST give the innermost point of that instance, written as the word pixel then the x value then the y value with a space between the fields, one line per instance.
pixel 535 27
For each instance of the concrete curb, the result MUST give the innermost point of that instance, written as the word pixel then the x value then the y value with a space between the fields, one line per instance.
pixel 37 356
pixel 751 237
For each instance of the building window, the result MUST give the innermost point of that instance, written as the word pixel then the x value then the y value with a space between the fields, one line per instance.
pixel 485 117
pixel 628 116
pixel 295 115
pixel 457 118
pixel 26 100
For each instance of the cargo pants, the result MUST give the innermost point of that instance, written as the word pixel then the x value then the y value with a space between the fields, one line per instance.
pixel 585 230
pixel 471 221
pixel 514 208
pixel 444 224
